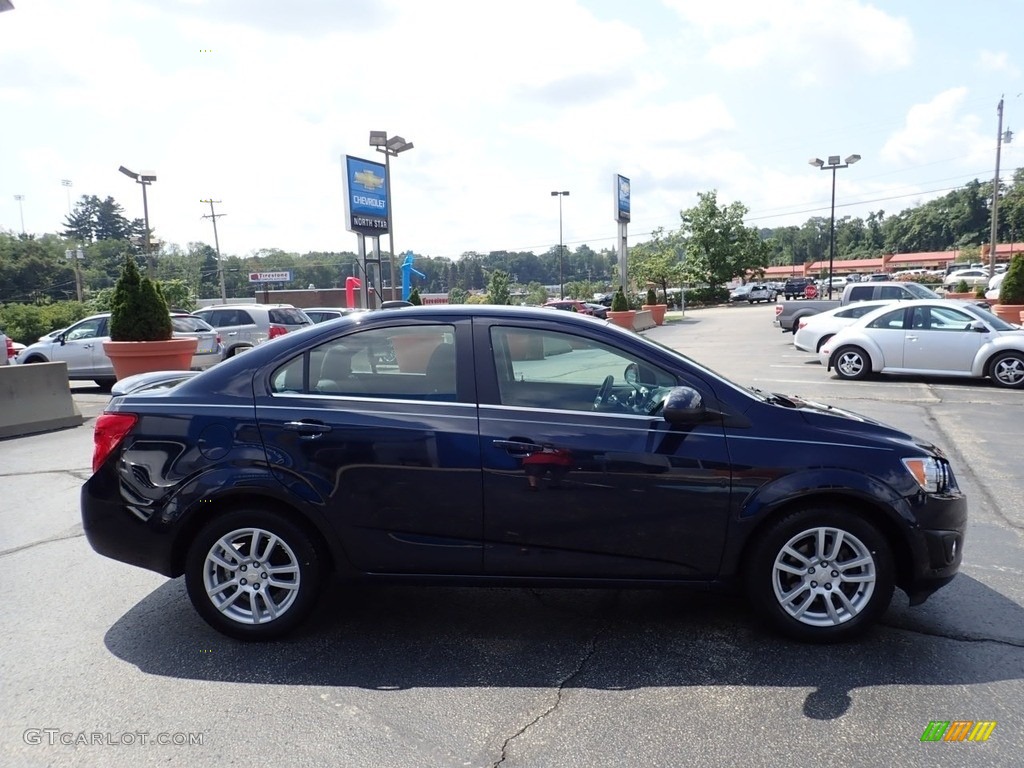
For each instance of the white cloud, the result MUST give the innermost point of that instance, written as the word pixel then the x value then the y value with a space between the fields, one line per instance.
pixel 813 39
pixel 997 61
pixel 939 129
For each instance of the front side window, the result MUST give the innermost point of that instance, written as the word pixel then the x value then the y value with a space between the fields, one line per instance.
pixel 90 329
pixel 548 369
pixel 407 362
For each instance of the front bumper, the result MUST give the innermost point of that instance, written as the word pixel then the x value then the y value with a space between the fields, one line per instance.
pixel 937 543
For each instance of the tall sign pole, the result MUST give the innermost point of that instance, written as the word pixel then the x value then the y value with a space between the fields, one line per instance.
pixel 993 238
pixel 622 216
pixel 366 214
pixel 220 264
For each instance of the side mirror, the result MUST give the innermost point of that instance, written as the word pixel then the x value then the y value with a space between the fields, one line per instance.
pixel 979 327
pixel 684 405
pixel 63 339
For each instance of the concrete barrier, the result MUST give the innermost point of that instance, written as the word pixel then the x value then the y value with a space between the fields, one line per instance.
pixel 643 319
pixel 36 398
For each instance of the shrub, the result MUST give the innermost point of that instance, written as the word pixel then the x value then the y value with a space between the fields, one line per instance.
pixel 979 291
pixel 138 311
pixel 1012 289
pixel 962 287
pixel 414 297
pixel 652 297
pixel 619 303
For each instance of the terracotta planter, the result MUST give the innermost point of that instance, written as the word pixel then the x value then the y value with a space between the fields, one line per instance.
pixel 1008 312
pixel 657 312
pixel 413 351
pixel 132 357
pixel 955 295
pixel 623 319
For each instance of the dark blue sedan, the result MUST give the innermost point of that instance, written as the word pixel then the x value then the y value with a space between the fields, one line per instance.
pixel 497 445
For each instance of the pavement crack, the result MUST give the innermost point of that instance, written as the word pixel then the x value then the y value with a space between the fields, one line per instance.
pixel 959 638
pixel 74 534
pixel 584 660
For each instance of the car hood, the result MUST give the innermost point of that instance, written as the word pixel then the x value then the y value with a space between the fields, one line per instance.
pixel 832 419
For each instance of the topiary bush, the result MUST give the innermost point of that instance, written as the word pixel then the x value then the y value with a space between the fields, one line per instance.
pixel 1012 289
pixel 962 287
pixel 619 303
pixel 414 297
pixel 652 297
pixel 138 311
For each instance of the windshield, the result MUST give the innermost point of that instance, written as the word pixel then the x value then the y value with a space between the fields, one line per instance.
pixel 920 292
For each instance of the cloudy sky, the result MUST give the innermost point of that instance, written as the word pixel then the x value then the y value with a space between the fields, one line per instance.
pixel 255 103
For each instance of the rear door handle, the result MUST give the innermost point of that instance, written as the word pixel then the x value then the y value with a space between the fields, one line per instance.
pixel 518 446
pixel 310 429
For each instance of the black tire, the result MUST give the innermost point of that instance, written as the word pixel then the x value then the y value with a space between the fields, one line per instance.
pixel 238 350
pixel 105 384
pixel 824 603
pixel 1007 370
pixel 851 363
pixel 241 610
pixel 822 340
pixel 796 326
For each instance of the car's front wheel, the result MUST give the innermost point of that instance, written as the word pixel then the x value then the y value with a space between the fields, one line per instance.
pixel 851 363
pixel 1007 370
pixel 252 574
pixel 821 575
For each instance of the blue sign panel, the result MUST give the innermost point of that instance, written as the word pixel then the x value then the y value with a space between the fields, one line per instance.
pixel 622 198
pixel 366 197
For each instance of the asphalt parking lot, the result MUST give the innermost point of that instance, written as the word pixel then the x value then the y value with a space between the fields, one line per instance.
pixel 99 660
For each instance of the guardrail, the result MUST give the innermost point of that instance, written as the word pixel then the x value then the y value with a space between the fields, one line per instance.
pixel 36 398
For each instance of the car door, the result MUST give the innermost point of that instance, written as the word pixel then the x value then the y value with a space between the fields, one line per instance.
pixel 573 491
pixel 81 347
pixel 388 451
pixel 942 339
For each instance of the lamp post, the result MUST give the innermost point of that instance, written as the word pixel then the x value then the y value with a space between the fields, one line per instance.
pixel 834 165
pixel 21 211
pixel 561 280
pixel 66 183
pixel 390 147
pixel 145 179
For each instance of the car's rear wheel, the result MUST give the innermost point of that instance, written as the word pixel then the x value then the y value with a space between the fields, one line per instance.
pixel 238 350
pixel 105 384
pixel 252 574
pixel 821 575
pixel 822 340
pixel 1007 370
pixel 851 363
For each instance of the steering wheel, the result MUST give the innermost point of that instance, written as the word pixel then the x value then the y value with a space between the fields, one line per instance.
pixel 604 395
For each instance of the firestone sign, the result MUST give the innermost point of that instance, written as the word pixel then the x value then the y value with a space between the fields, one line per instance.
pixel 283 276
pixel 366 197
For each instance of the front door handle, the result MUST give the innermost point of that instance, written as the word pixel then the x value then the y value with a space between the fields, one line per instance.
pixel 310 429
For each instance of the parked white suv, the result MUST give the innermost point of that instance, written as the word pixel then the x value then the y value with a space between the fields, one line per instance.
pixel 243 326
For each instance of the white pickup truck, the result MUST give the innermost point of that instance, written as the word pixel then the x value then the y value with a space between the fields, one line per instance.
pixel 789 313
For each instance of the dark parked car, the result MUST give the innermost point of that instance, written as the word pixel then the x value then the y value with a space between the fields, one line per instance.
pixel 311 456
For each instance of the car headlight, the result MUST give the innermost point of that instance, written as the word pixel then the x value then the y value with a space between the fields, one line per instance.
pixel 931 473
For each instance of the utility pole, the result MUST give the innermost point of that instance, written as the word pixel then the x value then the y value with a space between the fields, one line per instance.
pixel 1000 138
pixel 220 266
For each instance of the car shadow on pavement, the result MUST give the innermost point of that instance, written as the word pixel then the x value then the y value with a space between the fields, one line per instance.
pixel 397 638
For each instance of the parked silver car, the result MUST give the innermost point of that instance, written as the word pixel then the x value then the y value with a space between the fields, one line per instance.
pixel 243 326
pixel 80 345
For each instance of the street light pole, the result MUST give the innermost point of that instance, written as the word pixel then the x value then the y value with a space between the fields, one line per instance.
pixel 1001 137
pixel 834 165
pixel 561 279
pixel 145 179
pixel 21 211
pixel 390 147
pixel 66 183
pixel 216 242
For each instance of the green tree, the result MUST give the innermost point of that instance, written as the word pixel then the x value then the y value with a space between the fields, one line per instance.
pixel 457 296
pixel 657 261
pixel 177 294
pixel 719 246
pixel 536 294
pixel 414 297
pixel 499 289
pixel 138 310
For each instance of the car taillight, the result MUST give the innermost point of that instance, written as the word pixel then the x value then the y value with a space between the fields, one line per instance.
pixel 277 330
pixel 10 348
pixel 219 340
pixel 778 310
pixel 802 324
pixel 110 430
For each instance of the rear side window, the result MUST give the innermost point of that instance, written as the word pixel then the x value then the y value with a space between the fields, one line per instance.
pixel 861 292
pixel 189 324
pixel 288 316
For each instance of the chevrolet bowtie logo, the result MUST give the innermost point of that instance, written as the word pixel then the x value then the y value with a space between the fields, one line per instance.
pixel 369 180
